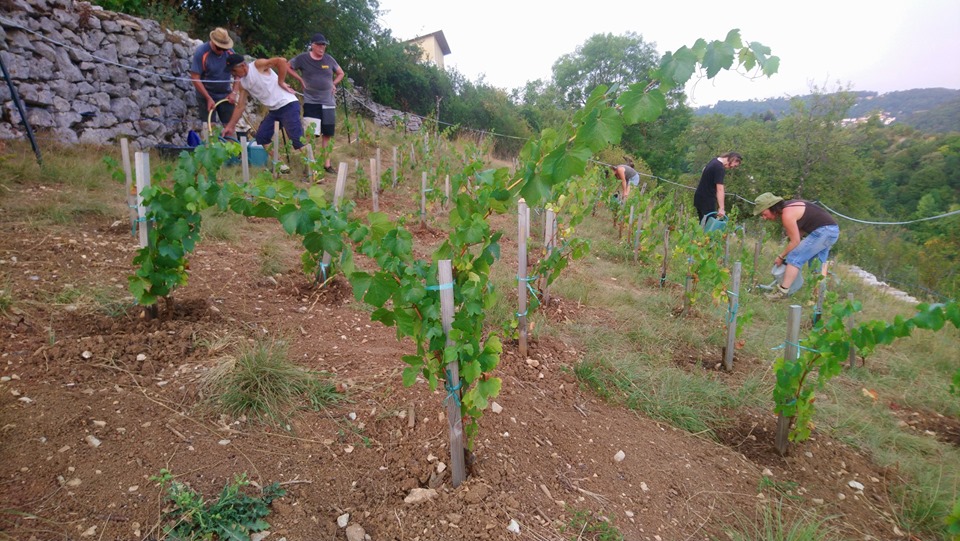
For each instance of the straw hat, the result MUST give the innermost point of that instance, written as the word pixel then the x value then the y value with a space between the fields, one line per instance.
pixel 221 38
pixel 765 201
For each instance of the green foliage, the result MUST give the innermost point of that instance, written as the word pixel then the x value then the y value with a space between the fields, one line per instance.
pixel 585 525
pixel 953 522
pixel 235 515
pixel 827 347
pixel 403 290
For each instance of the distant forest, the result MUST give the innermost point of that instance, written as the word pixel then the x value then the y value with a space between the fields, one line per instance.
pixel 930 110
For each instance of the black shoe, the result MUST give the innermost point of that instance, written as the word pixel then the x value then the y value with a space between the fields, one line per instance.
pixel 330 169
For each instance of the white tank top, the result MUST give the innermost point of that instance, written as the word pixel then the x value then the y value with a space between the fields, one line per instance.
pixel 265 88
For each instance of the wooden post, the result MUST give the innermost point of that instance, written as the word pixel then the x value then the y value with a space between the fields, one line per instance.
pixel 394 167
pixel 446 187
pixel 310 163
pixel 726 248
pixel 666 254
pixel 821 295
pixel 375 184
pixel 630 223
pixel 522 275
pixel 528 222
pixel 132 203
pixel 276 149
pixel 245 159
pixel 142 164
pixel 756 261
pixel 423 199
pixel 734 299
pixel 549 241
pixel 454 418
pixel 379 165
pixel 687 288
pixel 852 359
pixel 791 352
pixel 337 196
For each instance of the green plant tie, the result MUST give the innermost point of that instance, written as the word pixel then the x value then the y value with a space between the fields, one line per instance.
pixel 428 190
pixel 734 306
pixel 529 279
pixel 452 391
pixel 440 287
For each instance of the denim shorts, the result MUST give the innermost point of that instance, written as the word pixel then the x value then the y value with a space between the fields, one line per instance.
pixel 634 180
pixel 816 244
pixel 289 118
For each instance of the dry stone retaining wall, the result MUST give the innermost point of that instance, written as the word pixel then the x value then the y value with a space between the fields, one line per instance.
pixel 89 75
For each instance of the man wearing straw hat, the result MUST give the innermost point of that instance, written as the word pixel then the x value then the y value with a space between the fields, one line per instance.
pixel 811 230
pixel 211 77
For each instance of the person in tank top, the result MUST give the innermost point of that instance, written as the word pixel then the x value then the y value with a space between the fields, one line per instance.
pixel 811 231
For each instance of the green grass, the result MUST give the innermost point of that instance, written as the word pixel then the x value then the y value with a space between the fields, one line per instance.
pixel 259 381
pixel 586 525
pixel 779 523
pixel 271 258
pixel 86 298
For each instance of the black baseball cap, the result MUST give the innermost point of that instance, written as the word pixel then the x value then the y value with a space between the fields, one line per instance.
pixel 319 38
pixel 234 60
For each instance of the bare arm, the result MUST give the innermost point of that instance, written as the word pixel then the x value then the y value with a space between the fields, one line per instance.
pixel 293 73
pixel 789 220
pixel 277 64
pixel 230 128
pixel 201 89
pixel 720 201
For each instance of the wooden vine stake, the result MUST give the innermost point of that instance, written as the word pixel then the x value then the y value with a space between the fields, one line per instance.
pixel 852 359
pixel 734 299
pixel 726 249
pixel 423 199
pixel 454 419
pixel 394 171
pixel 687 288
pixel 522 275
pixel 142 165
pixel 142 171
pixel 379 166
pixel 375 184
pixel 791 353
pixel 821 296
pixel 756 261
pixel 666 254
pixel 549 242
pixel 311 160
pixel 446 188
pixel 337 196
pixel 245 159
pixel 132 203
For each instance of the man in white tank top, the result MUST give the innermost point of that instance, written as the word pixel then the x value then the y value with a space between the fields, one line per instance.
pixel 258 79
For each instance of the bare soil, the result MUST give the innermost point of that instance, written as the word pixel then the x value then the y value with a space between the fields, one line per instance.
pixel 71 372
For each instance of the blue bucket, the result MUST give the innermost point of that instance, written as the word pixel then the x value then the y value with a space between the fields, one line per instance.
pixel 257 155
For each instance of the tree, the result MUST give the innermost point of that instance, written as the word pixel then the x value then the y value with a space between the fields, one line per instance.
pixel 604 59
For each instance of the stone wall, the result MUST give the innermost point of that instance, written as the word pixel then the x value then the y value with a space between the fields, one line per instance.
pixel 89 75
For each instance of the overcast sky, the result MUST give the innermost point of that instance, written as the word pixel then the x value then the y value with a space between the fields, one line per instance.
pixel 876 45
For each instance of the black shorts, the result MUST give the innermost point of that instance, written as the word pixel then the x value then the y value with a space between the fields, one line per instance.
pixel 314 113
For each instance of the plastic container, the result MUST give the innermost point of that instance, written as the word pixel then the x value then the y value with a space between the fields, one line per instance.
pixel 778 271
pixel 257 155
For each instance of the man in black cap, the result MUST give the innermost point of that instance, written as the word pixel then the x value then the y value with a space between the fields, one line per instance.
pixel 319 75
pixel 211 77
